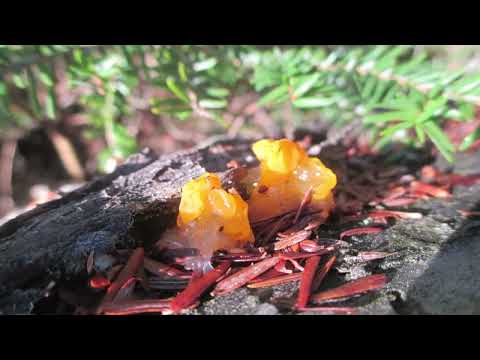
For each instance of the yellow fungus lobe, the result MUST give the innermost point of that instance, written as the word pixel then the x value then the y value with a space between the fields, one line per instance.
pixel 194 197
pixel 211 218
pixel 285 174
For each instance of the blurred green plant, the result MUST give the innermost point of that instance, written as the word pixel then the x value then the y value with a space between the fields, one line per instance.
pixel 391 89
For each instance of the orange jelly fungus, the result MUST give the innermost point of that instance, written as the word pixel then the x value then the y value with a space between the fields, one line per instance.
pixel 285 174
pixel 211 218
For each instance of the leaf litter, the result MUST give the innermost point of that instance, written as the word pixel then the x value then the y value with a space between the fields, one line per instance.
pixel 289 247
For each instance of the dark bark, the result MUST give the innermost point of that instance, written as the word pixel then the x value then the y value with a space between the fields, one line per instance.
pixel 53 240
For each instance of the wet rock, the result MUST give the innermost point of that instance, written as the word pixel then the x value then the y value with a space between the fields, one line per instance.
pixel 238 302
pixel 104 262
pixel 351 269
pixel 380 306
pixel 266 309
pixel 464 164
pixel 450 282
pixel 438 271
pixel 435 269
pixel 415 233
pixel 287 290
pixel 20 302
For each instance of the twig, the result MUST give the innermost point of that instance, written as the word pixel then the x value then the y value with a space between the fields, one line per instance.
pixel 67 154
pixel 197 109
pixel 7 154
pixel 236 125
pixel 334 136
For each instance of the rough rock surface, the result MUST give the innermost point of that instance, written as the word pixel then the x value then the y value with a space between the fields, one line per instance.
pixel 436 268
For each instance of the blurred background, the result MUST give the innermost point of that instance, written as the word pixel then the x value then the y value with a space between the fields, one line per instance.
pixel 69 113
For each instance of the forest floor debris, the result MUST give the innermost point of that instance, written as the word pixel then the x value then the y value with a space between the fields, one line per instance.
pixel 349 263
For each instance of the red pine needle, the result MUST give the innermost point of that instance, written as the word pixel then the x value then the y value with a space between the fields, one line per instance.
pixel 317 281
pixel 275 281
pixel 240 257
pixel 295 248
pixel 373 255
pixel 399 202
pixel 305 201
pixel 466 180
pixel 312 225
pixel 269 221
pixel 361 231
pixel 113 272
pixel 126 290
pixel 469 213
pixel 243 276
pixel 90 260
pixel 99 282
pixel 279 224
pixel 418 195
pixel 292 240
pixel 392 196
pixel 429 173
pixel 394 214
pixel 137 307
pixel 295 264
pixel 330 310
pixel 355 287
pixel 129 270
pixel 296 256
pixel 157 268
pixel 431 190
pixel 281 267
pixel 395 193
pixel 270 274
pixel 306 282
pixel 310 246
pixel 197 287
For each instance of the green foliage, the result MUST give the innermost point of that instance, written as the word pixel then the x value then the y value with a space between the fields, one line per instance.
pixel 388 87
pixel 393 89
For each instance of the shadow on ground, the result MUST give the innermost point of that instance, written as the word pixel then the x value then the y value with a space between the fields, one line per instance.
pixel 450 283
pixel 440 270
